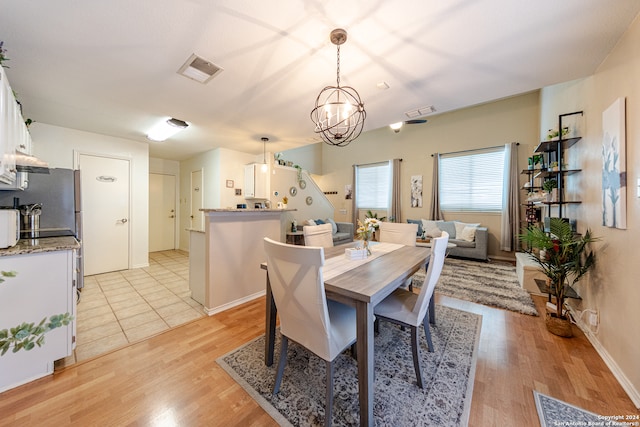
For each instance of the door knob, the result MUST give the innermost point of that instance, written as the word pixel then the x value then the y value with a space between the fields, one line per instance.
pixel 123 220
pixel 171 216
pixel 191 216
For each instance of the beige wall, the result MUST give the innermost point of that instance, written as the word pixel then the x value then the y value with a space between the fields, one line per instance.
pixel 510 120
pixel 612 288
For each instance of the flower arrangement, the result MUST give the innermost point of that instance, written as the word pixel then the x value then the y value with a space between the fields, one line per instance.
pixel 3 58
pixel 365 231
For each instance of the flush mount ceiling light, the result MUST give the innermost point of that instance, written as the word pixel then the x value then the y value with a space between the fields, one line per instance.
pixel 199 69
pixel 166 129
pixel 339 112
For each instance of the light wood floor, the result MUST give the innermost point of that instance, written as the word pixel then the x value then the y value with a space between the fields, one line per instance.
pixel 172 379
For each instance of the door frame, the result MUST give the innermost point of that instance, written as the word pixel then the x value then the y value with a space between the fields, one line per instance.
pixel 129 159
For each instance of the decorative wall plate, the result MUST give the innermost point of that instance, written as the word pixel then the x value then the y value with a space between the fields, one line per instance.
pixel 293 191
pixel 309 200
pixel 302 183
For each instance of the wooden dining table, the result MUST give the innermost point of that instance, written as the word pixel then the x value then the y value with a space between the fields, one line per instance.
pixel 362 287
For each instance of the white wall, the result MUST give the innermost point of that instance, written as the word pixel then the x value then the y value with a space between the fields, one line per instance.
pixel 612 287
pixel 57 145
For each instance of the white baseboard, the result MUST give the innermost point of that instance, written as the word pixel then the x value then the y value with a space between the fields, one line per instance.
pixel 628 387
pixel 227 306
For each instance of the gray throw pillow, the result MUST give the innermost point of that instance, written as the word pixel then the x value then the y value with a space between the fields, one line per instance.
pixel 419 222
pixel 449 227
pixel 334 226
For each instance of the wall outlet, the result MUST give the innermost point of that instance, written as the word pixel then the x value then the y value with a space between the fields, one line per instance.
pixel 343 211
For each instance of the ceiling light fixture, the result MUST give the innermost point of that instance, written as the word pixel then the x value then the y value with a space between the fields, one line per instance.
pixel 166 129
pixel 396 126
pixel 339 112
pixel 264 166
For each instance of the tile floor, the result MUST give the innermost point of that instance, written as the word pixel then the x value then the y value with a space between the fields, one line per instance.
pixel 122 307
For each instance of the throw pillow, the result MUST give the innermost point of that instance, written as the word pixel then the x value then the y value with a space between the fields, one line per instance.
pixel 310 222
pixel 419 222
pixel 334 226
pixel 467 234
pixel 319 222
pixel 430 228
pixel 461 225
pixel 449 227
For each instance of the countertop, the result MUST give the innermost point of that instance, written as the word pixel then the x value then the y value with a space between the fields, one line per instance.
pixel 48 244
pixel 247 210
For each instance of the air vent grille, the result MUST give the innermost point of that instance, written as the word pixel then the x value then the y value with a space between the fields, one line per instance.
pixel 199 69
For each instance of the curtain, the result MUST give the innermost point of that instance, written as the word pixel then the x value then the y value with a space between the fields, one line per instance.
pixel 354 205
pixel 435 213
pixel 510 224
pixel 394 211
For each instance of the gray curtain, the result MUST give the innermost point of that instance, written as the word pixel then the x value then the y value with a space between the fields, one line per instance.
pixel 394 213
pixel 510 224
pixel 435 213
pixel 354 205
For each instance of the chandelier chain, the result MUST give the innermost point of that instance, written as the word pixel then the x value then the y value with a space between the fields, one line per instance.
pixel 338 67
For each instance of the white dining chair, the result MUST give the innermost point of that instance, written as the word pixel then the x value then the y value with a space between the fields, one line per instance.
pixel 318 235
pixel 401 233
pixel 324 327
pixel 397 232
pixel 408 309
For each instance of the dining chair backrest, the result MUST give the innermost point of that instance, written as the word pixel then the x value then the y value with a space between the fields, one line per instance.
pixel 295 275
pixel 318 235
pixel 436 262
pixel 397 232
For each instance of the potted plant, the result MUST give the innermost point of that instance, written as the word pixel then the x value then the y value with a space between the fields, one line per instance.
pixel 564 258
pixel 548 186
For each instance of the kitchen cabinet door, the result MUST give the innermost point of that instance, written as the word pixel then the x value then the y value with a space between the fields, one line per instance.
pixel 43 287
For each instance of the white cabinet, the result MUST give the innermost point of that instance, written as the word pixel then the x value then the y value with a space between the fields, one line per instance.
pixel 44 286
pixel 256 182
pixel 14 135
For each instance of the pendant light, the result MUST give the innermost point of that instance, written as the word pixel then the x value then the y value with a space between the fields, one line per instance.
pixel 339 112
pixel 264 166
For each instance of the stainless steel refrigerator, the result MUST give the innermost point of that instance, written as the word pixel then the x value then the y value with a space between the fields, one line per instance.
pixel 61 214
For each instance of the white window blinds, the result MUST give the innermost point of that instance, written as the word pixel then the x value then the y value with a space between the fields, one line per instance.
pixel 472 180
pixel 373 183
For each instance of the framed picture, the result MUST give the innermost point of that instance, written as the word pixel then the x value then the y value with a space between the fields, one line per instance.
pixel 614 171
pixel 229 183
pixel 416 191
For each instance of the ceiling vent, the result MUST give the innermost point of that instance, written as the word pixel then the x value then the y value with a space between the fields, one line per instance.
pixel 199 69
pixel 422 111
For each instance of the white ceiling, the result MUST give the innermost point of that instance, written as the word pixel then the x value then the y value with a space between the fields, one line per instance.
pixel 109 67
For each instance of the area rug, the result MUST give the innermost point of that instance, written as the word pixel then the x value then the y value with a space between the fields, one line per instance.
pixel 448 373
pixel 493 284
pixel 553 412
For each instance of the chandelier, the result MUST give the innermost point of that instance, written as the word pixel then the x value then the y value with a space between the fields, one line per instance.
pixel 339 112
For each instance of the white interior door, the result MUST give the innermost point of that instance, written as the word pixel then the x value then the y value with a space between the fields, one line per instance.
pixel 162 212
pixel 197 216
pixel 105 198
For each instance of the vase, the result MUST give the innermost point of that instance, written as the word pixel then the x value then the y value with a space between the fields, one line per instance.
pixel 365 245
pixel 558 326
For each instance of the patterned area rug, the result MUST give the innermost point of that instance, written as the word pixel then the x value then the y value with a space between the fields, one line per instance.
pixel 554 412
pixel 493 284
pixel 448 372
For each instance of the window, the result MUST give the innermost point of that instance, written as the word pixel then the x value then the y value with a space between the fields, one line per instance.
pixel 373 184
pixel 472 180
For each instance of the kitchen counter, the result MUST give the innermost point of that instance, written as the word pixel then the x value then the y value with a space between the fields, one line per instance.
pixel 252 211
pixel 47 244
pixel 224 261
